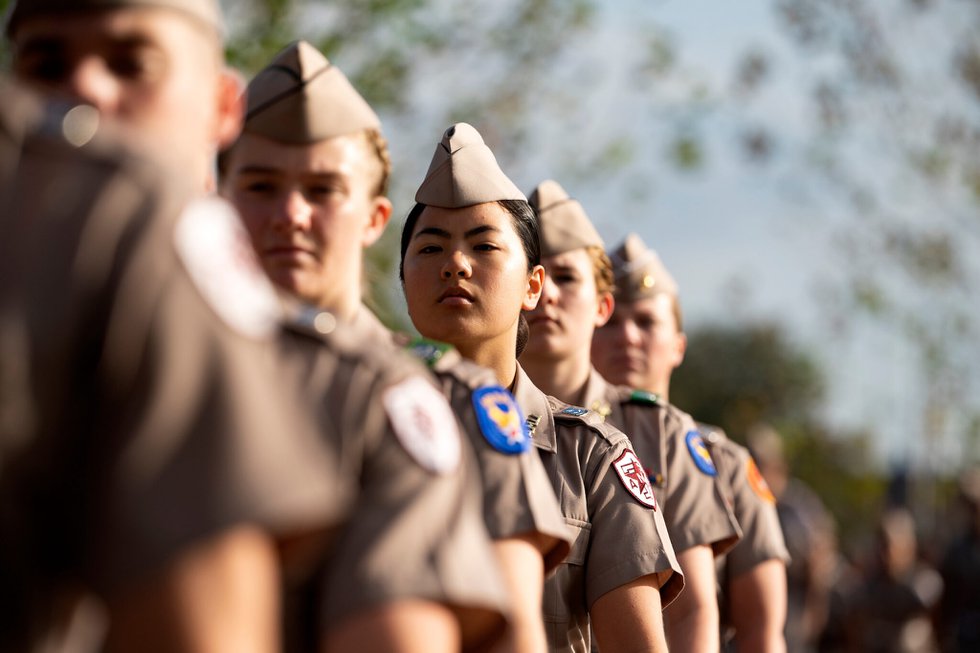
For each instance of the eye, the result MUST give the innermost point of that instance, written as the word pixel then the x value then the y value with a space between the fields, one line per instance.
pixel 565 278
pixel 137 63
pixel 429 249
pixel 260 187
pixel 485 247
pixel 45 66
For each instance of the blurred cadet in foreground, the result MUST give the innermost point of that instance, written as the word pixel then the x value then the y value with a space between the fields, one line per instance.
pixel 642 344
pixel 140 493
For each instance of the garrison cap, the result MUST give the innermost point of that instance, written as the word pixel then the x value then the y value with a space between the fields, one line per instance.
pixel 562 222
pixel 206 11
pixel 464 172
pixel 639 272
pixel 301 98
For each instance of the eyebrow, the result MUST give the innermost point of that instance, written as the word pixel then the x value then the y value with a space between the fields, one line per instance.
pixel 442 233
pixel 256 169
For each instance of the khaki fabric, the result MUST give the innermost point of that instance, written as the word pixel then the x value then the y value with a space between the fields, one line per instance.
pixel 694 507
pixel 464 172
pixel 752 502
pixel 517 494
pixel 206 11
pixel 134 418
pixel 518 497
pixel 618 539
pixel 563 224
pixel 413 532
pixel 639 272
pixel 301 98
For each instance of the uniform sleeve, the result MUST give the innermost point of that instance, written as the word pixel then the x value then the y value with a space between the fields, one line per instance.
pixel 628 539
pixel 518 496
pixel 695 509
pixel 417 530
pixel 755 509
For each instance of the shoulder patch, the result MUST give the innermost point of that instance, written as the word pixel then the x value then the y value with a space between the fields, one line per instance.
pixel 633 476
pixel 644 397
pixel 424 424
pixel 758 482
pixel 429 351
pixel 575 411
pixel 500 420
pixel 217 253
pixel 700 454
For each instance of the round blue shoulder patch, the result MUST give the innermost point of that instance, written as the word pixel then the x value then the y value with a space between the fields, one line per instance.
pixel 575 410
pixel 700 453
pixel 500 420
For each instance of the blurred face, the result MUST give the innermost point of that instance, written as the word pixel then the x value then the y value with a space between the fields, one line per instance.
pixel 310 210
pixel 640 345
pixel 467 277
pixel 151 69
pixel 570 308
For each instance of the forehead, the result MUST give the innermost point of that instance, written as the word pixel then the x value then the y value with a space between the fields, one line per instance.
pixel 458 221
pixel 659 307
pixel 166 28
pixel 576 259
pixel 347 155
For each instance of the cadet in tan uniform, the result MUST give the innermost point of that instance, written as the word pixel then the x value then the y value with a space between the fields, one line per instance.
pixel 470 266
pixel 139 490
pixel 156 67
pixel 576 298
pixel 641 345
pixel 309 175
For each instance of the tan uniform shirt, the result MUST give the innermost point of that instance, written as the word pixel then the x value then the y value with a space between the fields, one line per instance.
pixel 753 504
pixel 135 413
pixel 681 471
pixel 518 497
pixel 416 527
pixel 606 498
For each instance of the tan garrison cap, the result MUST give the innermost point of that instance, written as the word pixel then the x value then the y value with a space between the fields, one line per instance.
pixel 207 11
pixel 301 98
pixel 639 272
pixel 562 222
pixel 464 172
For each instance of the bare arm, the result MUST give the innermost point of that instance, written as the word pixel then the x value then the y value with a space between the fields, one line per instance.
pixel 405 626
pixel 221 595
pixel 692 619
pixel 523 571
pixel 758 607
pixel 627 619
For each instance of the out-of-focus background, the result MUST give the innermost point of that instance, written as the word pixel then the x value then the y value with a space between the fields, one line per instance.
pixel 809 170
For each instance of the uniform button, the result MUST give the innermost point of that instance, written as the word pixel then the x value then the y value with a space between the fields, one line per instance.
pixel 80 124
pixel 324 322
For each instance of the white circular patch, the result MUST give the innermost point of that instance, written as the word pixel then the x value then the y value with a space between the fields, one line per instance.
pixel 424 424
pixel 217 253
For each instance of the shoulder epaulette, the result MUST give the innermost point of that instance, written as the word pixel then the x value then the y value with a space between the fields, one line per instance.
pixel 428 351
pixel 563 412
pixel 644 397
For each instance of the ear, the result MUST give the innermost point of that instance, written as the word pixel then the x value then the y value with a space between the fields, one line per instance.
pixel 231 107
pixel 680 348
pixel 606 306
pixel 535 284
pixel 380 215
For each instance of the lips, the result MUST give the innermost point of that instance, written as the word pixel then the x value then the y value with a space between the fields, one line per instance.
pixel 288 251
pixel 456 295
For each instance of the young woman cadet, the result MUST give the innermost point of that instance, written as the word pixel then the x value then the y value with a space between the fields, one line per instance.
pixel 470 266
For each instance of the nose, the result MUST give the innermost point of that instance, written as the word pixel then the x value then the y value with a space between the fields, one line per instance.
pixel 457 266
pixel 91 81
pixel 629 332
pixel 549 291
pixel 294 212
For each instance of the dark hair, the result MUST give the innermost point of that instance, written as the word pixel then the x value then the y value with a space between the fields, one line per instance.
pixel 525 224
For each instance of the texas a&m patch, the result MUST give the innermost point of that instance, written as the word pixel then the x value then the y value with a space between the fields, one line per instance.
pixel 500 420
pixel 634 477
pixel 424 424
pixel 700 454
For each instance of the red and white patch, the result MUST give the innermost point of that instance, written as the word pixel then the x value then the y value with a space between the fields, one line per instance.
pixel 633 476
pixel 216 250
pixel 424 424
